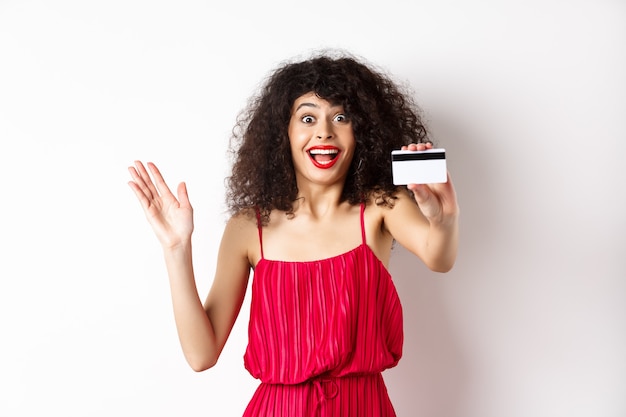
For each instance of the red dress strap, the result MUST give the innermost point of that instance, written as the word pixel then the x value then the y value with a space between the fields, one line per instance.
pixel 363 223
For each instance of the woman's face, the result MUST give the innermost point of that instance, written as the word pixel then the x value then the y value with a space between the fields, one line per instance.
pixel 322 140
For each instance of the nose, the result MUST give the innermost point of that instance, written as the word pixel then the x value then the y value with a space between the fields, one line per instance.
pixel 324 130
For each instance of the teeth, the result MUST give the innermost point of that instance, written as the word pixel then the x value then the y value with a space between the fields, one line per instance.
pixel 323 151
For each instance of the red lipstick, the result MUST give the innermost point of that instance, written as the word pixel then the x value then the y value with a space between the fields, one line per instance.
pixel 324 156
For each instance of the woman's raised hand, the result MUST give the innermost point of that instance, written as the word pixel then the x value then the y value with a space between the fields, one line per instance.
pixel 436 201
pixel 171 218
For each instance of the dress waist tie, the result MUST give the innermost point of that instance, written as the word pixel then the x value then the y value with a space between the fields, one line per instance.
pixel 327 389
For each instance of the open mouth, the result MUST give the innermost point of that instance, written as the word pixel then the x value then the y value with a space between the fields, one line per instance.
pixel 323 157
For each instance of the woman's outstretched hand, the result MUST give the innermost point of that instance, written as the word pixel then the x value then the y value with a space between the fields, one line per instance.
pixel 436 201
pixel 171 218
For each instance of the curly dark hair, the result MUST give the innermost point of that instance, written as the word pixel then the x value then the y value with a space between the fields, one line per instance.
pixel 384 117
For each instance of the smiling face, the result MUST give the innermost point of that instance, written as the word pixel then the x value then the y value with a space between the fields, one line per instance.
pixel 321 138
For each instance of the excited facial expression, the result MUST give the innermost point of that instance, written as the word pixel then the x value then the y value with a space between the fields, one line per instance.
pixel 322 140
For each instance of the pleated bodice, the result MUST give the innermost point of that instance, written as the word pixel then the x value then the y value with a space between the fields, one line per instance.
pixel 332 318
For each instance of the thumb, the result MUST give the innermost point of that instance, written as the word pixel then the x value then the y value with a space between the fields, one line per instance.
pixel 420 193
pixel 183 197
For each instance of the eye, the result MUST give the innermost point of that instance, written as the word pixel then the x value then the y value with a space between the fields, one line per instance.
pixel 341 118
pixel 308 119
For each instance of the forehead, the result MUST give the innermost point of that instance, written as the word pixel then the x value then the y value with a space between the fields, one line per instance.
pixel 312 100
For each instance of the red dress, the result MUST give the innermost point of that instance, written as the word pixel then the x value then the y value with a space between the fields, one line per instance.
pixel 320 334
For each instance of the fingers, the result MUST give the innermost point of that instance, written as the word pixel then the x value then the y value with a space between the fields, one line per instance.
pixel 418 146
pixel 139 187
pixel 161 186
pixel 142 179
pixel 143 200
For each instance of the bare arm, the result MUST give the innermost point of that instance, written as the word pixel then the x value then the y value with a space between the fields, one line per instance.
pixel 429 229
pixel 204 329
pixel 202 332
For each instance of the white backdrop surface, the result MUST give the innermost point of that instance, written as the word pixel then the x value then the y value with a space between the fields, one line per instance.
pixel 529 99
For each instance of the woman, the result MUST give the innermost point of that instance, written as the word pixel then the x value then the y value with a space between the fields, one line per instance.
pixel 314 214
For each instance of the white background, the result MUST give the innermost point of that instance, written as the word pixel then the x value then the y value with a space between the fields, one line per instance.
pixel 528 98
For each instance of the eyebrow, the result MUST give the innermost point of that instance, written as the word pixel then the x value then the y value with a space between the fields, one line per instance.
pixel 307 104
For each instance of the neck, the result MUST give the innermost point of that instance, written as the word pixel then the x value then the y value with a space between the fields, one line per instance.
pixel 317 200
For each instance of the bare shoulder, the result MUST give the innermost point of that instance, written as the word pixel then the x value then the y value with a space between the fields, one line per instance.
pixel 401 202
pixel 402 210
pixel 243 221
pixel 392 219
pixel 377 213
pixel 241 236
